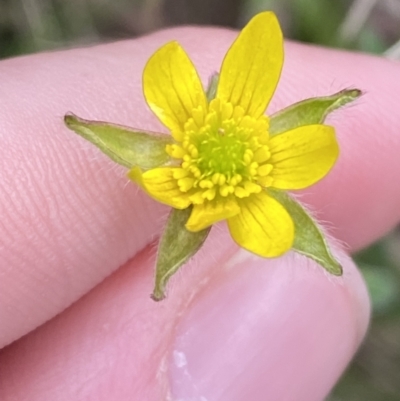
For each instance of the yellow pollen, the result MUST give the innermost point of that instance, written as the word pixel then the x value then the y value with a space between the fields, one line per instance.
pixel 206 184
pixel 176 151
pixel 185 184
pixel 209 194
pixel 241 192
pixel 252 188
pixel 264 170
pixel 235 179
pixel 248 156
pixel 225 190
pixel 195 171
pixel 253 168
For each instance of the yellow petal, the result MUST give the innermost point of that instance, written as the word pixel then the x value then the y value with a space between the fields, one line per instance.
pixel 263 226
pixel 302 156
pixel 252 66
pixel 160 184
pixel 210 212
pixel 172 87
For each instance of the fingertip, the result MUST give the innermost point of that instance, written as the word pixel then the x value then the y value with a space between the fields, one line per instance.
pixel 269 329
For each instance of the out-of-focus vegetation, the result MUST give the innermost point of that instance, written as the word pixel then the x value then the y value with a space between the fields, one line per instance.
pixel 28 26
pixel 34 25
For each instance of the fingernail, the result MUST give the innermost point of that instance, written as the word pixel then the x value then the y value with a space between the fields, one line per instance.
pixel 277 329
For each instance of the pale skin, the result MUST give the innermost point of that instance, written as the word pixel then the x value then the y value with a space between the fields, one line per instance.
pixel 73 230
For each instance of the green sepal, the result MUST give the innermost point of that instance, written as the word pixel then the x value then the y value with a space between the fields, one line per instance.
pixel 309 239
pixel 126 146
pixel 310 111
pixel 212 86
pixel 177 246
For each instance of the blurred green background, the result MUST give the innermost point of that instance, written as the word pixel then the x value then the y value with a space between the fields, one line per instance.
pixel 28 26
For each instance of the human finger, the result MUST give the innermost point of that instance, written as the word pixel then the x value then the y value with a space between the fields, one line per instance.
pixel 70 218
pixel 235 327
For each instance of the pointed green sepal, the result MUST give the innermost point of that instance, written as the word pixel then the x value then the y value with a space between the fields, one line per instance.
pixel 212 86
pixel 309 239
pixel 126 146
pixel 177 246
pixel 310 111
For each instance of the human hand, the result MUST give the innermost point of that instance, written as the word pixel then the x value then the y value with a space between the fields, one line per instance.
pixel 234 326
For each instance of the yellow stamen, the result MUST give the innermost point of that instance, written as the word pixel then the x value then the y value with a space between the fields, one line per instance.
pixel 185 184
pixel 225 190
pixel 241 192
pixel 209 194
pixel 262 154
pixel 264 170
pixel 206 184
pixel 176 151
pixel 252 188
pixel 221 153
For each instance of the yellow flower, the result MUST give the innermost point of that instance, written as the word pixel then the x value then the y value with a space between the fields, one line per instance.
pixel 225 159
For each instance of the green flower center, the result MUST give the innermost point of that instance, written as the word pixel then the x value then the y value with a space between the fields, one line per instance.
pixel 222 153
pixel 221 150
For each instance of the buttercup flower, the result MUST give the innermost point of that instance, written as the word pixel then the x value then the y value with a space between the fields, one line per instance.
pixel 224 160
